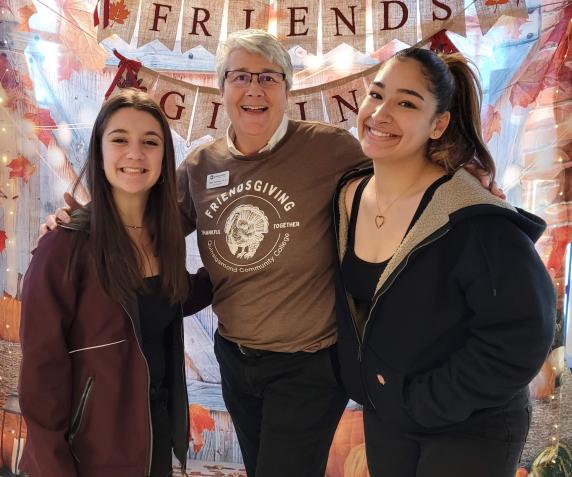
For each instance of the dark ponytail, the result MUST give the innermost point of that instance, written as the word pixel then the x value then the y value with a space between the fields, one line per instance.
pixel 456 89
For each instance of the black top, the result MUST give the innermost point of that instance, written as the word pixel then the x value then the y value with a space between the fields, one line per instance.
pixel 361 276
pixel 156 315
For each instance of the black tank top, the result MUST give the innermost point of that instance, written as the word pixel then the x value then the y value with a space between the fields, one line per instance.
pixel 361 277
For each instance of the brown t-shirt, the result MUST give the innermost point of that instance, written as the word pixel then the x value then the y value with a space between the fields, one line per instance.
pixel 264 230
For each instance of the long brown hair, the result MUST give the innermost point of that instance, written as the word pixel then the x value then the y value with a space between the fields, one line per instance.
pixel 115 257
pixel 456 89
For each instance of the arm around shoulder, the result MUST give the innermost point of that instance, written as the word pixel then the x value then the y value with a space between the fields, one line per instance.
pixel 200 292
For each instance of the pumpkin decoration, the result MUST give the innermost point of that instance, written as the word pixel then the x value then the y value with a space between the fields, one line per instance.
pixel 356 463
pixel 199 420
pixel 10 318
pixel 348 435
pixel 521 472
pixel 554 461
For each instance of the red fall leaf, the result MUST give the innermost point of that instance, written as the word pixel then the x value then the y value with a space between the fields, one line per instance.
pixel 44 122
pixel 491 3
pixel 26 82
pixel 118 12
pixel 25 13
pixel 200 420
pixel 67 64
pixel 10 78
pixel 491 123
pixel 3 238
pixel 21 167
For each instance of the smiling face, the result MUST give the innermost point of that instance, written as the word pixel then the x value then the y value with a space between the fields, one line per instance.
pixel 133 147
pixel 255 112
pixel 397 118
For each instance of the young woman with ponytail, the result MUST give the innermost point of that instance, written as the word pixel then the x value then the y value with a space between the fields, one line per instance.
pixel 445 311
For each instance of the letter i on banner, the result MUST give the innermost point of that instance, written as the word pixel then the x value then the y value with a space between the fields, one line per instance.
pixel 298 23
pixel 202 22
pixel 394 19
pixel 343 99
pixel 306 105
pixel 159 20
pixel 437 15
pixel 343 21
pixel 121 17
pixel 245 14
pixel 210 118
pixel 176 99
pixel 489 11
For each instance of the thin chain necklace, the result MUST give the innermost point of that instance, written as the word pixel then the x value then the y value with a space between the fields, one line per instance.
pixel 135 227
pixel 380 217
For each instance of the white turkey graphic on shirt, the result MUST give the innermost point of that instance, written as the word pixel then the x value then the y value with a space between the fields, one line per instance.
pixel 245 228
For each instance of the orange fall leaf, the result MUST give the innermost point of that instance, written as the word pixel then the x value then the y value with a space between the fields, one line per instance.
pixel 25 13
pixel 21 167
pixel 491 123
pixel 200 420
pixel 118 12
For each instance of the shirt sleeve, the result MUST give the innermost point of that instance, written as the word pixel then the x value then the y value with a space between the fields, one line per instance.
pixel 200 292
pixel 45 387
pixel 513 305
pixel 184 197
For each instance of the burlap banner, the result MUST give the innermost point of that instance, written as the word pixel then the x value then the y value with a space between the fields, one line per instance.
pixel 342 100
pixel 489 11
pixel 394 19
pixel 177 100
pixel 438 15
pixel 343 21
pixel 209 117
pixel 298 23
pixel 117 18
pixel 160 22
pixel 306 104
pixel 248 14
pixel 202 21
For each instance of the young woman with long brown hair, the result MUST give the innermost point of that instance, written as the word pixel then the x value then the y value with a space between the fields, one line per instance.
pixel 445 311
pixel 102 383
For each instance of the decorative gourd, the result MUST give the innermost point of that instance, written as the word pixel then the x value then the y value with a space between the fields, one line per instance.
pixel 554 461
pixel 10 318
pixel 356 463
pixel 521 472
pixel 348 434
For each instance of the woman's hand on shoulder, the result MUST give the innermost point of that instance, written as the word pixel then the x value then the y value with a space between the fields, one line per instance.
pixel 485 180
pixel 62 215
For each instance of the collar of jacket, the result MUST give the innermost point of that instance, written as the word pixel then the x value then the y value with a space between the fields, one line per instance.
pixel 456 200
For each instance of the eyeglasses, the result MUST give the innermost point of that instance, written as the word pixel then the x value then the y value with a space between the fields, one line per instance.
pixel 266 79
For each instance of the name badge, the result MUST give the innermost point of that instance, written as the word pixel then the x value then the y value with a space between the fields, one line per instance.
pixel 220 179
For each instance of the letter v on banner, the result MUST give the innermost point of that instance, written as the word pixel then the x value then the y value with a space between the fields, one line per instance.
pixel 394 19
pixel 248 14
pixel 343 100
pixel 202 22
pixel 159 20
pixel 121 15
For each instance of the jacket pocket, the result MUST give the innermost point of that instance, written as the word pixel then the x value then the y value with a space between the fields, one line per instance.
pixel 79 412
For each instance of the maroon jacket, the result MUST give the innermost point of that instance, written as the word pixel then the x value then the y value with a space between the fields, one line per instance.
pixel 84 382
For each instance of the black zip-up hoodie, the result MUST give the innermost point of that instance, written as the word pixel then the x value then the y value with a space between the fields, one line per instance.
pixel 462 317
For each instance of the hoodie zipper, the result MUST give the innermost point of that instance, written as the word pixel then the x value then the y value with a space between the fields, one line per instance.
pixel 434 237
pixel 148 470
pixel 79 413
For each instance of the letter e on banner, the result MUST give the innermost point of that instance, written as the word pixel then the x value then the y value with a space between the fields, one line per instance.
pixel 298 24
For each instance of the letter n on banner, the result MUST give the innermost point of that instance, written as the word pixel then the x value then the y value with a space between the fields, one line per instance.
pixel 343 21
pixel 176 99
pixel 122 19
pixel 202 21
pixel 245 14
pixel 298 23
pixel 489 11
pixel 306 105
pixel 210 117
pixel 437 15
pixel 394 19
pixel 343 100
pixel 159 20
